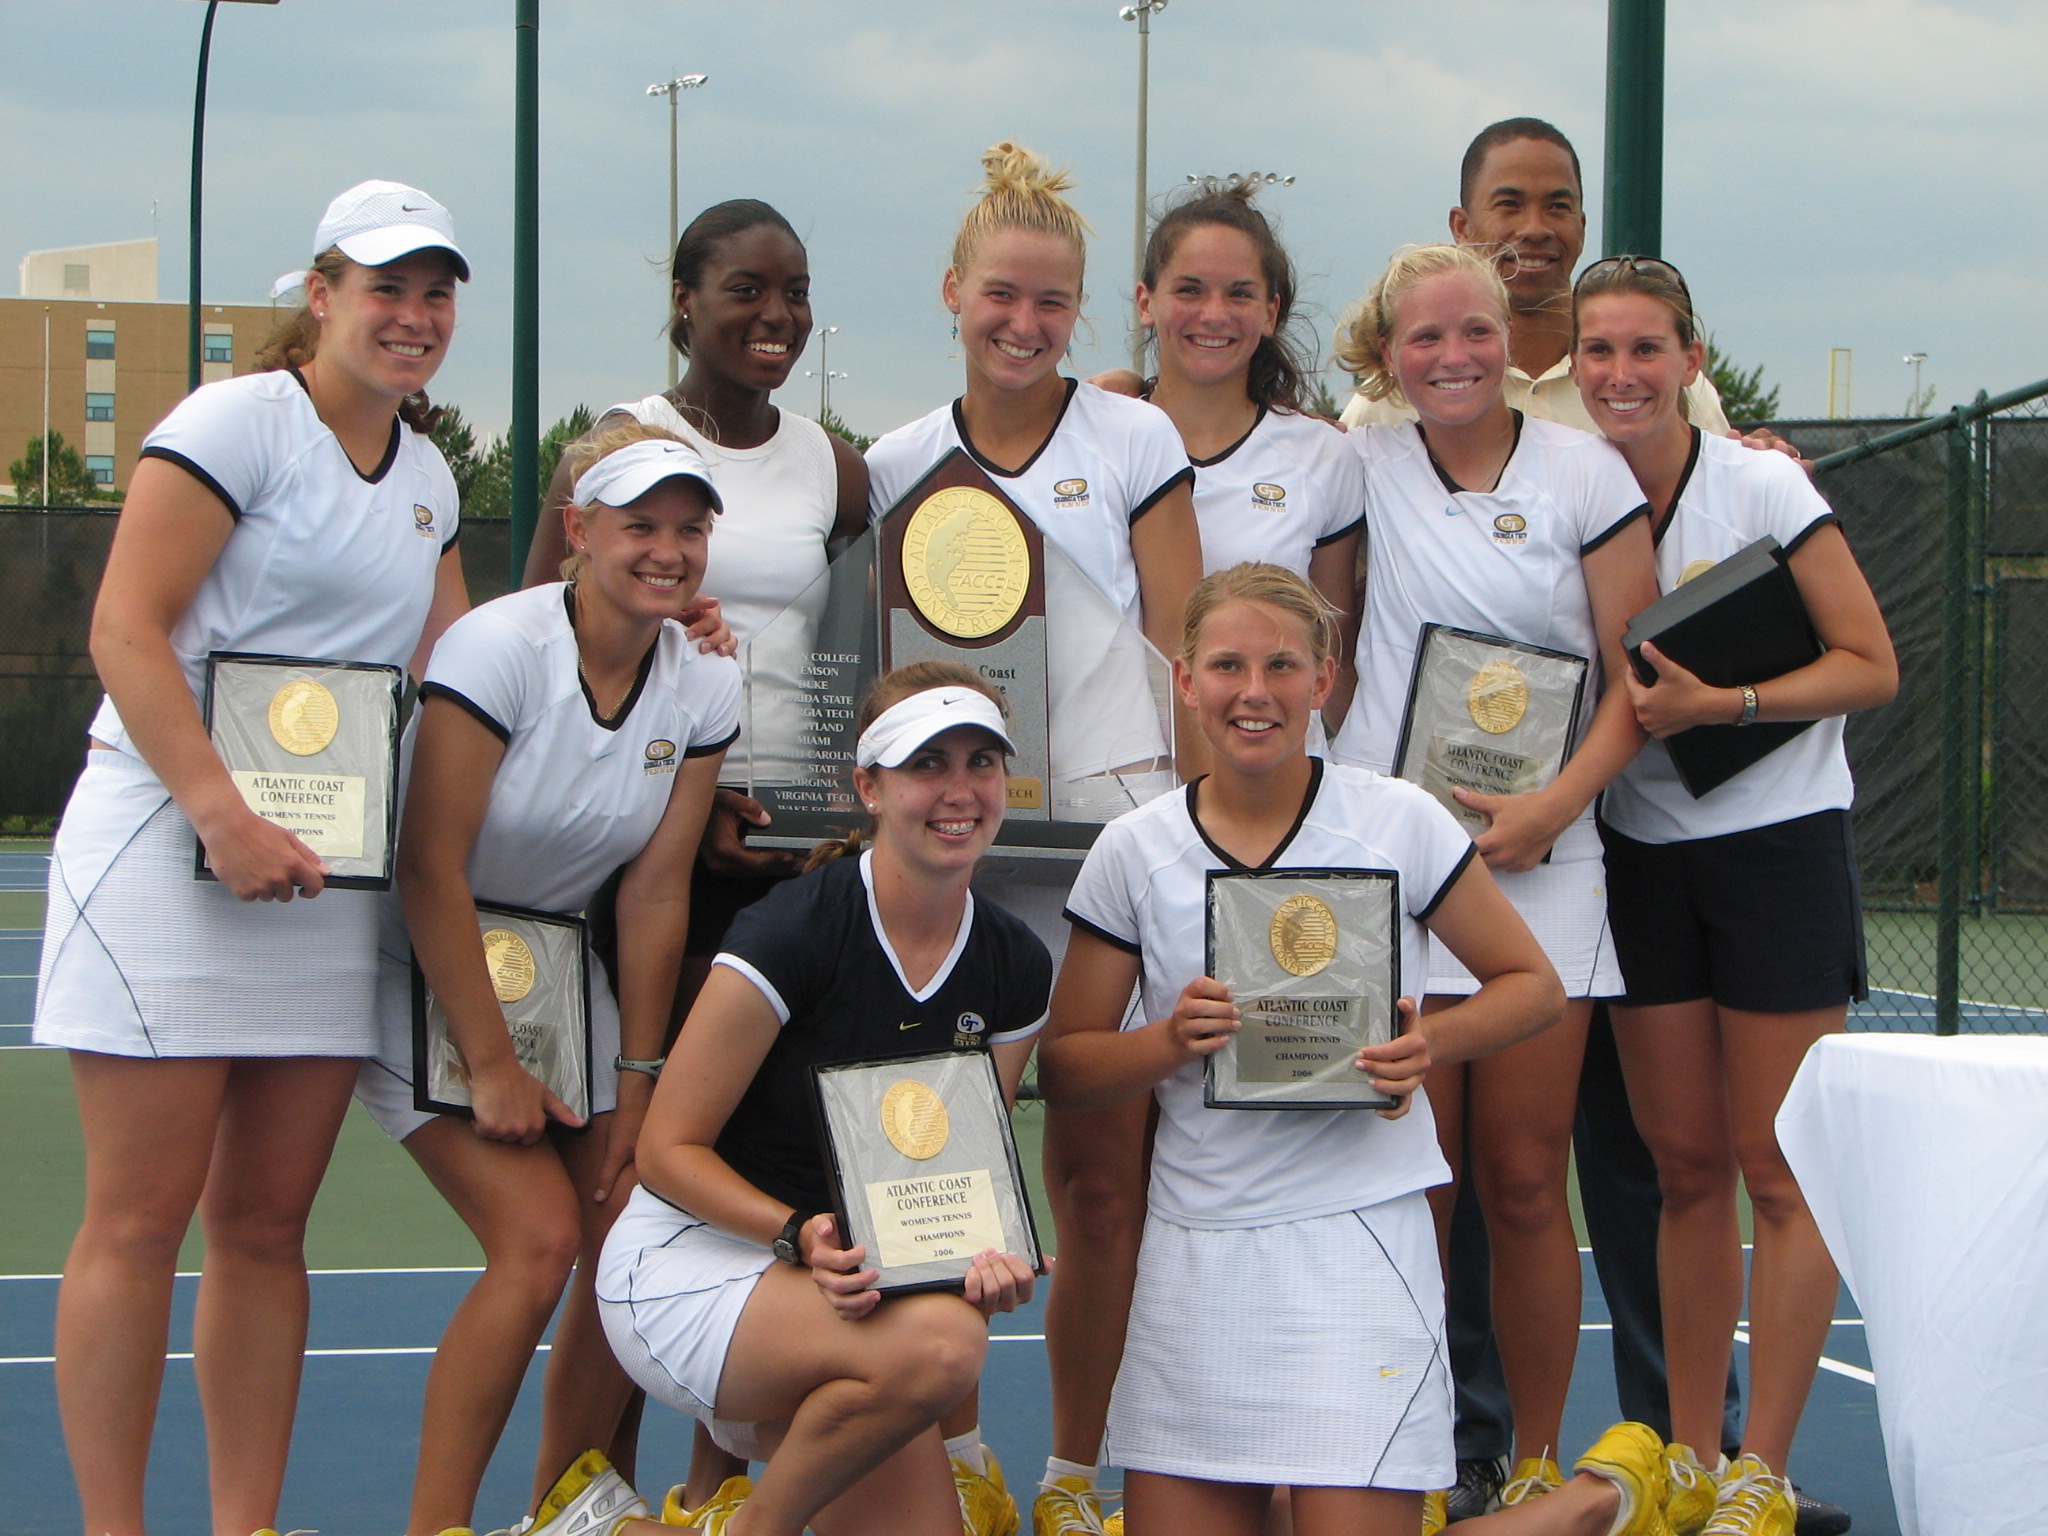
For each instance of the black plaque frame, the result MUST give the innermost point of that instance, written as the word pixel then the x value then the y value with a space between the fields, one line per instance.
pixel 202 871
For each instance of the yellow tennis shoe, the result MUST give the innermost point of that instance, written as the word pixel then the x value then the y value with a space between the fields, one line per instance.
pixel 986 1508
pixel 590 1499
pixel 1436 1511
pixel 1631 1456
pixel 1069 1506
pixel 1691 1489
pixel 1754 1501
pixel 1533 1477
pixel 732 1493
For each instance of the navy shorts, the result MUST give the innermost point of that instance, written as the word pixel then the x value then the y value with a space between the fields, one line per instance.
pixel 1768 921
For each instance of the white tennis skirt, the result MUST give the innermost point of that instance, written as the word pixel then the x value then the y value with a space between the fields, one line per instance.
pixel 1307 1353
pixel 1564 903
pixel 670 1290
pixel 140 959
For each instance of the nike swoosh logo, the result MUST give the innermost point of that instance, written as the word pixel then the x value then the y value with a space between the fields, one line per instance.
pixel 1388 1370
pixel 408 208
pixel 911 1025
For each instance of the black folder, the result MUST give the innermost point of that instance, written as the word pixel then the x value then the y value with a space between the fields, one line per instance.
pixel 1742 621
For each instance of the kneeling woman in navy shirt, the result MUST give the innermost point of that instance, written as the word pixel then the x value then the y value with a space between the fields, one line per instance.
pixel 883 952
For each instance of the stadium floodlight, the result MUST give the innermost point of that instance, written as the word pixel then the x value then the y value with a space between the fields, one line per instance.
pixel 672 89
pixel 198 157
pixel 823 372
pixel 1915 406
pixel 1142 13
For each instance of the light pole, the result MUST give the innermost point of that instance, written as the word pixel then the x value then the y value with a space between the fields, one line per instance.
pixel 1142 13
pixel 46 416
pixel 823 372
pixel 1916 406
pixel 198 155
pixel 671 89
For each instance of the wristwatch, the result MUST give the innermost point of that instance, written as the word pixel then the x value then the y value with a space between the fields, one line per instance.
pixel 628 1064
pixel 785 1246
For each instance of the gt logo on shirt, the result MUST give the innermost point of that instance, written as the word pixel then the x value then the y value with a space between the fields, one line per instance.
pixel 423 521
pixel 1070 493
pixel 661 758
pixel 1272 498
pixel 968 1030
pixel 1511 528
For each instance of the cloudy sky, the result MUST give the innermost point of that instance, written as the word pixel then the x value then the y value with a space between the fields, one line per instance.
pixel 1840 173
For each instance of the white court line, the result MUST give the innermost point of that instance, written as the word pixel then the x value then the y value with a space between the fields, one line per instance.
pixel 1839 1367
pixel 538 1349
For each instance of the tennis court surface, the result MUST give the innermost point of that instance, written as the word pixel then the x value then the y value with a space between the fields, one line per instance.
pixel 391 1263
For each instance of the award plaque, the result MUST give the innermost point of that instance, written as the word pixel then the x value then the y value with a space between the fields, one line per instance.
pixel 954 571
pixel 1313 960
pixel 1490 715
pixel 541 976
pixel 924 1171
pixel 313 747
pixel 963 579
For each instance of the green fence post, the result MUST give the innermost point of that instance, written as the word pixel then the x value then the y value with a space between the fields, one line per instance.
pixel 525 431
pixel 1956 712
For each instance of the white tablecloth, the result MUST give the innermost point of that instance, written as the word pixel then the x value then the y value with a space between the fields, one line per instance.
pixel 1926 1164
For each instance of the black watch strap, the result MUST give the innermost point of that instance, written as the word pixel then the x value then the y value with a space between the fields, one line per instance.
pixel 785 1246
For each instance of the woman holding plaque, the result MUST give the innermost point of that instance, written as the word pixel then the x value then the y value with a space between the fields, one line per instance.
pixel 1736 916
pixel 1106 480
pixel 298 511
pixel 724 1289
pixel 567 730
pixel 1525 541
pixel 1335 1384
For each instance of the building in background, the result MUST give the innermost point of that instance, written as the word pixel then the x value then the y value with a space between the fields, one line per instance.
pixel 115 363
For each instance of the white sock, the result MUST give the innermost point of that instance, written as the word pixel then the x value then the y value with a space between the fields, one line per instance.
pixel 1055 1468
pixel 967 1448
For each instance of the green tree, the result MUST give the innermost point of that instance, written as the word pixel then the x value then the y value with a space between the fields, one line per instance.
pixel 832 422
pixel 70 481
pixel 1743 395
pixel 456 439
pixel 486 479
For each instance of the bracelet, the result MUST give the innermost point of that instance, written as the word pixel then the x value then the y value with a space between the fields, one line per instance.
pixel 627 1064
pixel 1748 705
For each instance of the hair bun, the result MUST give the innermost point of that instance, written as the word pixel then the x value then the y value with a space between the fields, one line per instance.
pixel 1011 168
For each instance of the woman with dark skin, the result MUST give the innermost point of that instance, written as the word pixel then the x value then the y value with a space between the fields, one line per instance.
pixel 741 290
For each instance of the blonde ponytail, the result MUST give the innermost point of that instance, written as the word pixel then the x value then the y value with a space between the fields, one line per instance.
pixel 1019 191
pixel 1363 338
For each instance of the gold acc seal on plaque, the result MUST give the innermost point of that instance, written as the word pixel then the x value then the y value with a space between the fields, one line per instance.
pixel 510 963
pixel 1303 935
pixel 914 1119
pixel 1498 697
pixel 303 717
pixel 965 562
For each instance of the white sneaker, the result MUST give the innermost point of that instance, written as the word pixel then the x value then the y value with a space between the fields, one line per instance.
pixel 590 1499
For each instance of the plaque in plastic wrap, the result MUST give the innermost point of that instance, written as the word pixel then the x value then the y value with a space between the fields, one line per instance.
pixel 955 572
pixel 923 1167
pixel 312 746
pixel 542 980
pixel 1313 962
pixel 1490 715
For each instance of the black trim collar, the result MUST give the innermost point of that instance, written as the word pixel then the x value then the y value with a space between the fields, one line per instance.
pixel 613 722
pixel 974 453
pixel 1226 453
pixel 1659 524
pixel 1230 860
pixel 384 464
pixel 1460 490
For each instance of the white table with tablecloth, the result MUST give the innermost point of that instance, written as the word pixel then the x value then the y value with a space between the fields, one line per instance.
pixel 1925 1161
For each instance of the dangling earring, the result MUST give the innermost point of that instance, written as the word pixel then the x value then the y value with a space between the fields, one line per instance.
pixel 956 330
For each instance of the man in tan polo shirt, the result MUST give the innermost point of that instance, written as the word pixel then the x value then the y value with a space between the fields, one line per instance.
pixel 1520 193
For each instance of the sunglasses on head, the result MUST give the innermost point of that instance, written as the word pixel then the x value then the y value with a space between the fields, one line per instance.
pixel 1654 265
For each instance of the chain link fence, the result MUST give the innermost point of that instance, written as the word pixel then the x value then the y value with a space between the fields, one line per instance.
pixel 1949 518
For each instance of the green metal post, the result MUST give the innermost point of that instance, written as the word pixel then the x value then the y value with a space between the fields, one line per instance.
pixel 1634 219
pixel 1958 762
pixel 525 285
pixel 198 159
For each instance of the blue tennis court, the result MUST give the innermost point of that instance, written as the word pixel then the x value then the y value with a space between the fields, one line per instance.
pixel 373 1331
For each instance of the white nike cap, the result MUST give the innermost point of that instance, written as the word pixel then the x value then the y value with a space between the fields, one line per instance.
pixel 904 727
pixel 626 474
pixel 379 221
